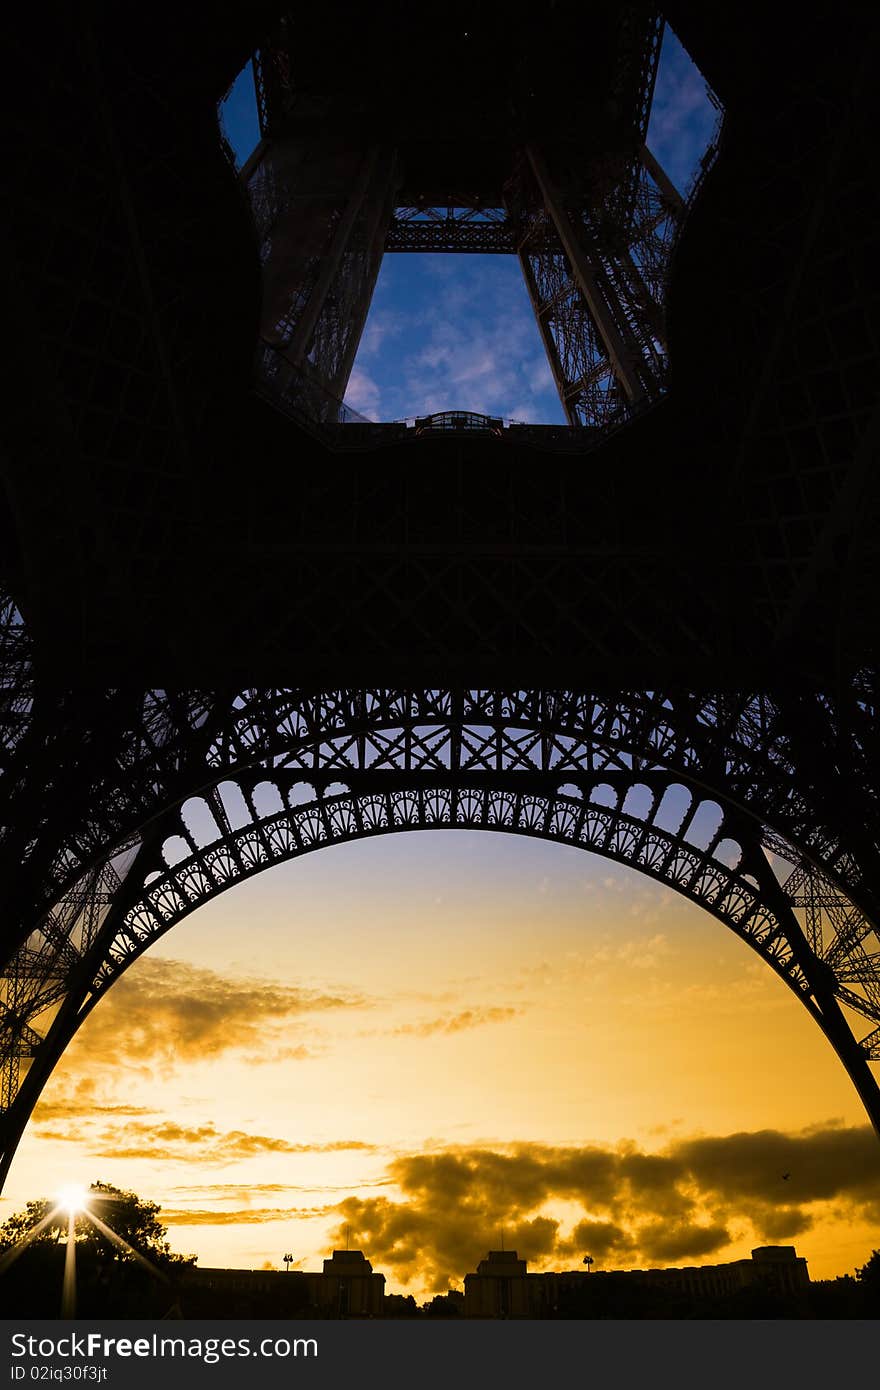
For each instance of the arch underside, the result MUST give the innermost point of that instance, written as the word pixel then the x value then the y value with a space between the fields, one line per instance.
pixel 168 744
pixel 679 791
pixel 340 814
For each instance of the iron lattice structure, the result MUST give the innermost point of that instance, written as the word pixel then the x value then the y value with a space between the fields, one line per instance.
pixel 709 574
pixel 593 234
pixel 178 797
pixel 595 270
pixel 462 227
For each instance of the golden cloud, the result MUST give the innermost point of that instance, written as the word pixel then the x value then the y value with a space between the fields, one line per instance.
pixel 201 1144
pixel 237 1191
pixel 165 1012
pixel 76 1109
pixel 247 1216
pixel 84 1099
pixel 456 1023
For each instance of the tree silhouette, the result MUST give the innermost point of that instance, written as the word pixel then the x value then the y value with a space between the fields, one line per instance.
pixel 870 1270
pixel 129 1217
pixel 869 1285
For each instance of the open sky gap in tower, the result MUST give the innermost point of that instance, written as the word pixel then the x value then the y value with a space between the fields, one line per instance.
pixel 458 332
pixel 588 210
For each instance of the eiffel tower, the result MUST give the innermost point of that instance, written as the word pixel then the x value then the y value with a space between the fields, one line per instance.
pixel 239 625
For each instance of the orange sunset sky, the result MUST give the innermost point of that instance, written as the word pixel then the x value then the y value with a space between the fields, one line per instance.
pixel 440 1038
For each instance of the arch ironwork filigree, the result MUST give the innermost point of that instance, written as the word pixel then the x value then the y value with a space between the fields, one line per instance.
pixel 153 749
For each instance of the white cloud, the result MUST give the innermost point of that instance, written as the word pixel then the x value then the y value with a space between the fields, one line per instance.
pixel 682 117
pixel 380 326
pixel 540 377
pixel 461 338
pixel 363 394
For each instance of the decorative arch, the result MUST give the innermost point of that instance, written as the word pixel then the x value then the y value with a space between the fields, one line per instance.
pixel 337 814
pixel 689 791
pixel 166 746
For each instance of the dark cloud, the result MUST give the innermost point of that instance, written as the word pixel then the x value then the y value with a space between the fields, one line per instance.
pixel 428 1241
pixel 604 1240
pixel 783 1224
pixel 675 1242
pixel 164 1011
pixel 682 1205
pixel 821 1163
pixel 746 1172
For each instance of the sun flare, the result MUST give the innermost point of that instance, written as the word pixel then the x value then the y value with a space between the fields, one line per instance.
pixel 72 1197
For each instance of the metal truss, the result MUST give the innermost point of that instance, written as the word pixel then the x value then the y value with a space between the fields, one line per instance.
pixel 590 813
pixel 321 214
pixel 647 45
pixel 16 681
pixel 273 82
pixel 94 786
pixel 465 228
pixel 593 235
pixel 459 422
pixel 153 748
pixel 595 261
pixel 300 392
pixel 700 793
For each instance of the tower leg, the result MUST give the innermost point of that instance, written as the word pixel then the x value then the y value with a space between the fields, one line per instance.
pixel 541 312
pixel 618 350
pixel 322 214
pixel 852 1055
pixel 298 345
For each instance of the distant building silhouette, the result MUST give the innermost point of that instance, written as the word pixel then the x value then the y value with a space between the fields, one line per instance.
pixel 502 1287
pixel 346 1287
pixel 773 1282
pixel 349 1285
